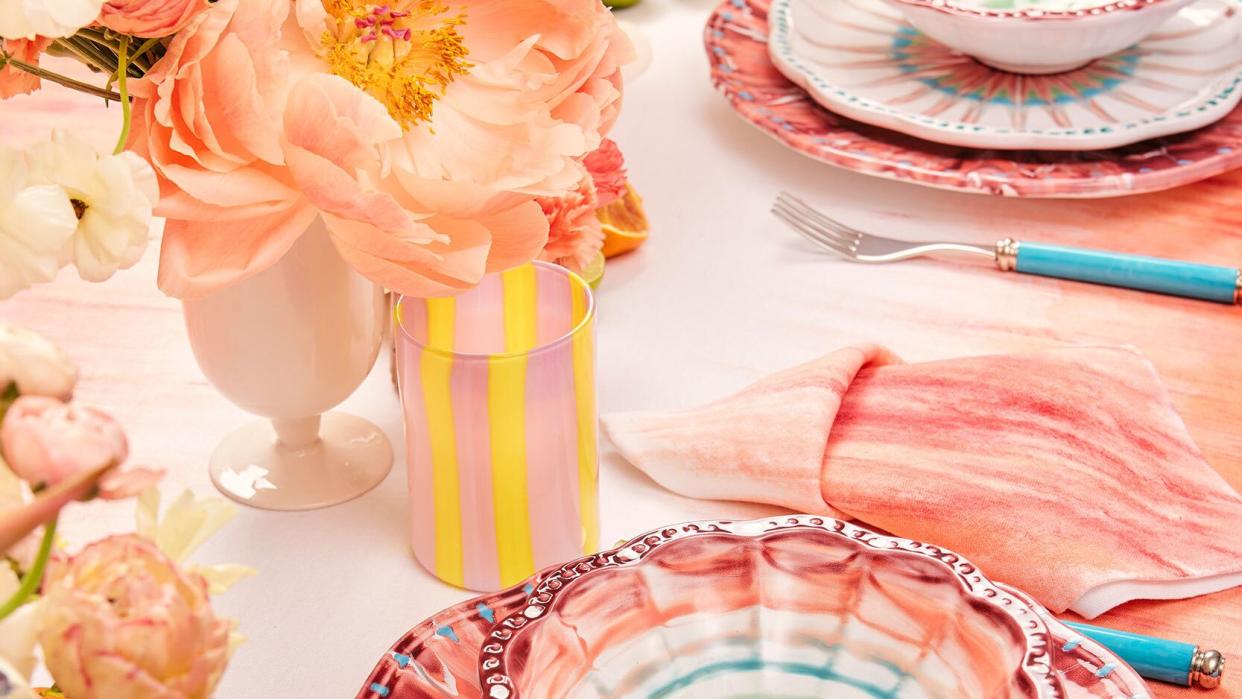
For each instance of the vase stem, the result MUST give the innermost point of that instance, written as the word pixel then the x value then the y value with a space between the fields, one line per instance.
pixel 297 433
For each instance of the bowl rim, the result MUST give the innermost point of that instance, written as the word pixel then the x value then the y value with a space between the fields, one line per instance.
pixel 1022 611
pixel 951 7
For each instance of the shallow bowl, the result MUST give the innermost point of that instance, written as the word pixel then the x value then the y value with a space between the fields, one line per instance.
pixel 1038 37
pixel 801 607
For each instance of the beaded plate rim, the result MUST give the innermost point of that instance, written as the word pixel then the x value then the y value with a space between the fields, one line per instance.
pixel 1036 664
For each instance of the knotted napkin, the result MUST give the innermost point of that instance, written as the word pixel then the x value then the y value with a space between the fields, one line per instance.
pixel 1067 473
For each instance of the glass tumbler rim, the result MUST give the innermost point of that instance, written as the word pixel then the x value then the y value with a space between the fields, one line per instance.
pixel 567 337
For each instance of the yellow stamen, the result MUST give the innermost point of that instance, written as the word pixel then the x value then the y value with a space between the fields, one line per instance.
pixel 404 53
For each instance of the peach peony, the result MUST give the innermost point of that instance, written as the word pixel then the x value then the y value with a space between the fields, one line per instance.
pixel 149 18
pixel 422 131
pixel 122 621
pixel 575 236
pixel 207 119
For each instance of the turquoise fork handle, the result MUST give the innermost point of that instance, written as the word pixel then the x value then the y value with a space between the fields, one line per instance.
pixel 1158 658
pixel 1196 281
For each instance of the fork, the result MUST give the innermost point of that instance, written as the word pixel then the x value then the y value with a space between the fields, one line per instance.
pixel 1172 277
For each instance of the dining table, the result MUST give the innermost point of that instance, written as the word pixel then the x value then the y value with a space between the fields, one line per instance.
pixel 721 294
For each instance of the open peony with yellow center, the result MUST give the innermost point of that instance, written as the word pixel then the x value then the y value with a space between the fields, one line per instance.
pixel 425 132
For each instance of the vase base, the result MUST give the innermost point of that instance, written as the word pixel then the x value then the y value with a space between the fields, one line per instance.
pixel 350 458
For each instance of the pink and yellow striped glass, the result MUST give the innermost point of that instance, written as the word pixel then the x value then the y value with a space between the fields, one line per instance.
pixel 498 387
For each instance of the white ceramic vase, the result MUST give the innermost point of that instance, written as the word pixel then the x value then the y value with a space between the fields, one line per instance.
pixel 289 344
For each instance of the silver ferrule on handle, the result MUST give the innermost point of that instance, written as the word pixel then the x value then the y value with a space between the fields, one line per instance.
pixel 1237 293
pixel 1206 668
pixel 1007 255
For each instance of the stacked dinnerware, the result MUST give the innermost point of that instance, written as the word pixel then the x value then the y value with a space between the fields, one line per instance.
pixel 1093 97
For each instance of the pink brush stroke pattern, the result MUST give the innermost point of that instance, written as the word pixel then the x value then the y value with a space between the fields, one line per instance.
pixel 1067 473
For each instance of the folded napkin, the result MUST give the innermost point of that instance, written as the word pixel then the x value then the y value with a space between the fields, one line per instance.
pixel 1067 473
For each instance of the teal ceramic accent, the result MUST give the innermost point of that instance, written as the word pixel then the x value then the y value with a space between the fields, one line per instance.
pixel 1198 281
pixel 1153 658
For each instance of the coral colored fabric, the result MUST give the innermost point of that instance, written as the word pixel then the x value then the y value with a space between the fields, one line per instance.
pixel 1067 473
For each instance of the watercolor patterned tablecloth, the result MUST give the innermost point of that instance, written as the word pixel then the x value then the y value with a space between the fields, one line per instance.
pixel 720 296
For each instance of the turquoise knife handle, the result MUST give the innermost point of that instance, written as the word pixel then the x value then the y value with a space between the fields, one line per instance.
pixel 1197 281
pixel 1158 658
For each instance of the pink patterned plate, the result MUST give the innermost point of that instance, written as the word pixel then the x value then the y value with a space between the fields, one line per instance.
pixel 736 40
pixel 863 60
pixel 795 607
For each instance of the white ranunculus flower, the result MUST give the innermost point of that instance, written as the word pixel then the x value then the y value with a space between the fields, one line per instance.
pixel 112 196
pixel 14 493
pixel 37 365
pixel 36 221
pixel 12 684
pixel 18 634
pixel 25 19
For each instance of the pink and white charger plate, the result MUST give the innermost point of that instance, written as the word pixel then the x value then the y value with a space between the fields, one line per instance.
pixel 736 38
pixel 684 586
pixel 863 59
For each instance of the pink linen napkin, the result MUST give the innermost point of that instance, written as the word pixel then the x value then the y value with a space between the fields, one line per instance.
pixel 1067 473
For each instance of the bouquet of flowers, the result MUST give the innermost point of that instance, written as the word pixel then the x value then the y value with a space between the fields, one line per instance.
pixel 125 616
pixel 439 139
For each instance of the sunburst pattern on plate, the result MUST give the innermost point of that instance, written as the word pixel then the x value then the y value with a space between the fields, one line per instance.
pixel 860 58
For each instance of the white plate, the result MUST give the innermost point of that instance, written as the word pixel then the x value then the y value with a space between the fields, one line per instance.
pixel 861 59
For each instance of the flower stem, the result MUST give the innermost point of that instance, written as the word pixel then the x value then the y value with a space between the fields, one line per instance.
pixel 122 71
pixel 30 581
pixel 141 56
pixel 84 55
pixel 58 78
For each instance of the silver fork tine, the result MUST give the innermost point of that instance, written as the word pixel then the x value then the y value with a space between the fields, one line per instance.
pixel 810 232
pixel 801 214
pixel 817 235
pixel 837 226
pixel 864 247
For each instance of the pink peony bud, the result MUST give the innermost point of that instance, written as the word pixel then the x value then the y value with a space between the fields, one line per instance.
pixel 46 441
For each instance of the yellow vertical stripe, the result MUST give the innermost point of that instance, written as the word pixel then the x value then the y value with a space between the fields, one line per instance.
pixel 438 399
pixel 506 405
pixel 520 321
pixel 584 391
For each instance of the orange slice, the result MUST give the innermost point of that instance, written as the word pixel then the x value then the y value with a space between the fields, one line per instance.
pixel 624 223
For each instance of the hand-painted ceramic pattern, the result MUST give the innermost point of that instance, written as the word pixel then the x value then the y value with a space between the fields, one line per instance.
pixel 1038 36
pixel 440 658
pixel 736 41
pixel 861 59
pixel 1034 9
pixel 799 607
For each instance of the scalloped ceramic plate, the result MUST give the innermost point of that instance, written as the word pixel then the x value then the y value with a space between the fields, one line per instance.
pixel 795 607
pixel 736 42
pixel 862 59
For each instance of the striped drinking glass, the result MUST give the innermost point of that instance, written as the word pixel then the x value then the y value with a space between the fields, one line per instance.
pixel 498 389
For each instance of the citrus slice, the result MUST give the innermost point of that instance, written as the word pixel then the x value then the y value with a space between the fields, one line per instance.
pixel 620 4
pixel 624 223
pixel 594 271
